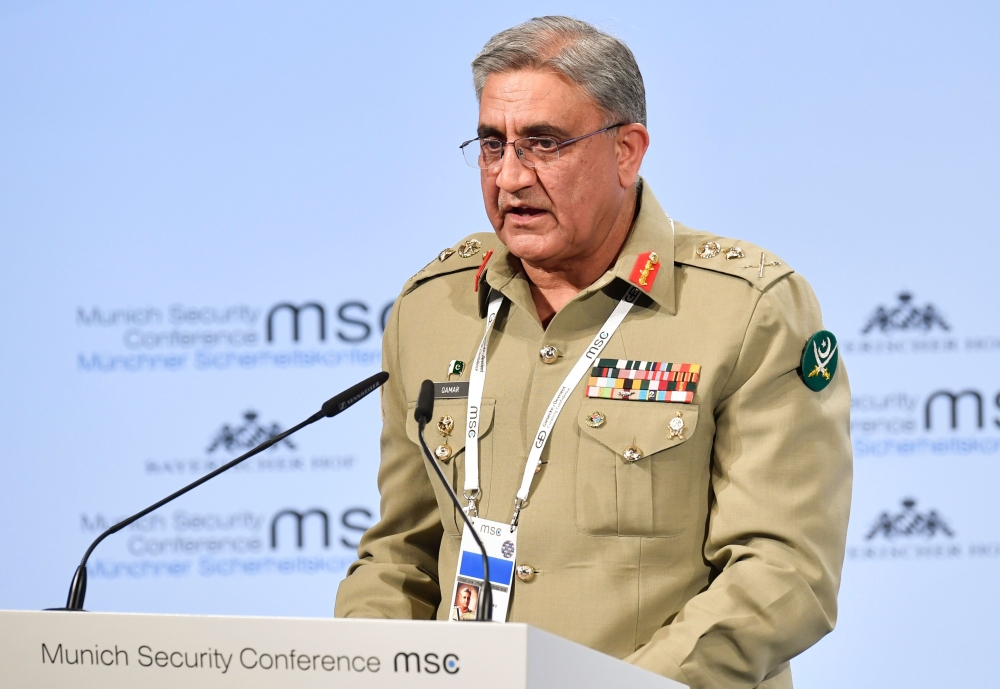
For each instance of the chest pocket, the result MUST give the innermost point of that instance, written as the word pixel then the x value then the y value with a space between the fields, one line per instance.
pixel 652 496
pixel 454 469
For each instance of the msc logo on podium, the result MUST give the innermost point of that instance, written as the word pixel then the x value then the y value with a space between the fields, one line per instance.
pixel 432 663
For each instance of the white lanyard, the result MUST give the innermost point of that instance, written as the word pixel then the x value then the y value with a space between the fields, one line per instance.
pixel 477 379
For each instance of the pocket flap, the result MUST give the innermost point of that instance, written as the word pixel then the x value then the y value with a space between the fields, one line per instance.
pixel 456 409
pixel 645 425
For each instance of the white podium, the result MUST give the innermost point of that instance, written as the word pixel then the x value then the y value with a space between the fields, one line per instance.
pixel 89 649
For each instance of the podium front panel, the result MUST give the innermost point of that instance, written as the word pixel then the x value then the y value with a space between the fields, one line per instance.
pixel 86 649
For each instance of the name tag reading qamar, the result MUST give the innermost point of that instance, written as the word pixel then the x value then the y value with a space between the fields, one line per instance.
pixel 451 390
pixel 644 381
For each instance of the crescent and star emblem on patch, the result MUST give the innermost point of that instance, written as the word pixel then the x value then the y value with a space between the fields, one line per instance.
pixel 819 360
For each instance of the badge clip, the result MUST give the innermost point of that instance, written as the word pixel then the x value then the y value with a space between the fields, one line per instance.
pixel 472 496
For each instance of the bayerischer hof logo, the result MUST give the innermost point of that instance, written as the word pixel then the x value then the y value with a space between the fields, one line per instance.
pixel 246 435
pixel 909 522
pixel 904 316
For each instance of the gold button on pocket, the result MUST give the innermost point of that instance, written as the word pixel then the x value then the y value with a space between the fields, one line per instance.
pixel 632 454
pixel 525 573
pixel 449 449
pixel 638 472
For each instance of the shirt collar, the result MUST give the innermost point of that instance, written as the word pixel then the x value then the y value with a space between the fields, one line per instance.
pixel 651 231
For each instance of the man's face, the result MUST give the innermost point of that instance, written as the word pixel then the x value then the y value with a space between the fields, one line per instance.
pixel 551 214
pixel 464 597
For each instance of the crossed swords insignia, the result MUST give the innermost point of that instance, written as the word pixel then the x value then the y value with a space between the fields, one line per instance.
pixel 824 355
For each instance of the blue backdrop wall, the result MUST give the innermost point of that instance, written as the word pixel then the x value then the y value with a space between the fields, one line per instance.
pixel 176 177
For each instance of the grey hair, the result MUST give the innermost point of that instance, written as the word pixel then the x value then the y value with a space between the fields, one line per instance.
pixel 598 62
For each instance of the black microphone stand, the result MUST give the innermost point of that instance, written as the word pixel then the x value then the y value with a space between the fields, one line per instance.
pixel 332 407
pixel 422 414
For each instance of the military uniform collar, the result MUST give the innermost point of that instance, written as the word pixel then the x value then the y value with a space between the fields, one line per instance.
pixel 651 231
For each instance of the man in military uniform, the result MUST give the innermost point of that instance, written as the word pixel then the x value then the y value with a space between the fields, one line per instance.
pixel 464 609
pixel 688 513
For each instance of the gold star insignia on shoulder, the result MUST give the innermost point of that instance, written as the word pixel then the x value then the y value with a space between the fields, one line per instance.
pixel 470 247
pixel 708 250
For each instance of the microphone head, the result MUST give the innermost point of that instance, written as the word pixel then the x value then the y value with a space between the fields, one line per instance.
pixel 425 403
pixel 353 394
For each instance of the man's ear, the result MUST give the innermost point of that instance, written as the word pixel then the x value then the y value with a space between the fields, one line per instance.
pixel 630 148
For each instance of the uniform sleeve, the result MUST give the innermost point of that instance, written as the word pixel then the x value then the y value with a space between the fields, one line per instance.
pixel 396 574
pixel 781 490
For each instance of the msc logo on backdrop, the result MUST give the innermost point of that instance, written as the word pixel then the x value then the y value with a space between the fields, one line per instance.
pixel 905 316
pixel 955 405
pixel 357 321
pixel 350 519
pixel 909 522
pixel 247 435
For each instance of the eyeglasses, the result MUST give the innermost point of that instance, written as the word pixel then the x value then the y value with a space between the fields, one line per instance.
pixel 532 151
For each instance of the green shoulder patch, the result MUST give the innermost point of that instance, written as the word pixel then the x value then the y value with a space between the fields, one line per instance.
pixel 466 255
pixel 819 360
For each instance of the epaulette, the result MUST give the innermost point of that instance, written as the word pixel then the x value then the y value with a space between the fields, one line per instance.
pixel 733 257
pixel 465 255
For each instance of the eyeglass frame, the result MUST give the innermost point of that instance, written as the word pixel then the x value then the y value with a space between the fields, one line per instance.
pixel 559 145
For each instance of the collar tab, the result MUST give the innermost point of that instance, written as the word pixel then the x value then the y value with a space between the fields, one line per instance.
pixel 652 234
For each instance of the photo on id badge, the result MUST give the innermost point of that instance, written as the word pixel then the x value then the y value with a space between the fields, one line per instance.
pixel 466 602
pixel 501 548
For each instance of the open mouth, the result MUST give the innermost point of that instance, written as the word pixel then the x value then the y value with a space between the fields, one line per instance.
pixel 526 212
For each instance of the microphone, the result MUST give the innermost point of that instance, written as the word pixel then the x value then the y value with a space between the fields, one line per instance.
pixel 332 407
pixel 422 414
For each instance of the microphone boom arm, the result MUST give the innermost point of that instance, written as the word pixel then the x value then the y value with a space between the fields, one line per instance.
pixel 332 407
pixel 485 611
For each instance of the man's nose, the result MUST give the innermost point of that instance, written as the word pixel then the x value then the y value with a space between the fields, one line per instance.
pixel 514 175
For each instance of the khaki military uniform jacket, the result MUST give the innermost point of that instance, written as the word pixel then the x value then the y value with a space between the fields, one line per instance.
pixel 712 560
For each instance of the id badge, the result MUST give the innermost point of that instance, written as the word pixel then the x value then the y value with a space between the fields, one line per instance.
pixel 501 547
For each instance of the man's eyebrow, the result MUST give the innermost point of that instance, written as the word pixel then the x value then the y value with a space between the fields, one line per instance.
pixel 545 129
pixel 536 129
pixel 484 131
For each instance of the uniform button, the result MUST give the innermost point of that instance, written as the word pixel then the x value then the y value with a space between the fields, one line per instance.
pixel 525 572
pixel 549 354
pixel 632 453
pixel 443 452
